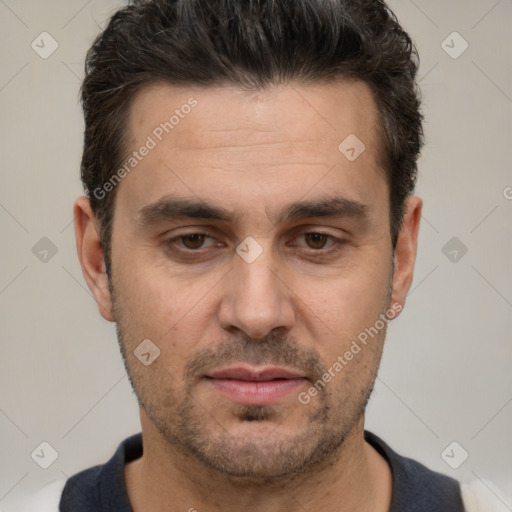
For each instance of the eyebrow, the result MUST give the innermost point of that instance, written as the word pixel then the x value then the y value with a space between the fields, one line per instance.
pixel 171 208
pixel 324 207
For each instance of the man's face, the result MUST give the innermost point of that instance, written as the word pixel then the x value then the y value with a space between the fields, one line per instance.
pixel 246 326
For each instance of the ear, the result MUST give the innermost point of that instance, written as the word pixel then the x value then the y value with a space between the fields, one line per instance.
pixel 405 250
pixel 90 254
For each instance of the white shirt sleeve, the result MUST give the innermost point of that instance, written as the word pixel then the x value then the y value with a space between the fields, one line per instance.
pixel 477 497
pixel 45 500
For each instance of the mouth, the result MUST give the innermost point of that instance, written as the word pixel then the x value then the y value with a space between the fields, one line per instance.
pixel 256 386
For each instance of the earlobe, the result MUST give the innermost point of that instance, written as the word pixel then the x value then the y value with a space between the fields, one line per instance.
pixel 90 254
pixel 405 250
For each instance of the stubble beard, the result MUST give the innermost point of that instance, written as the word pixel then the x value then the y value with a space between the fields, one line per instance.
pixel 268 453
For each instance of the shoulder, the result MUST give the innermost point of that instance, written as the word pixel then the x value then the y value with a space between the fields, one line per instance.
pixel 417 488
pixel 79 489
pixel 102 487
pixel 99 487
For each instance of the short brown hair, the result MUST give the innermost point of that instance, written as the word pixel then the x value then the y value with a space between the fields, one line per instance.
pixel 251 44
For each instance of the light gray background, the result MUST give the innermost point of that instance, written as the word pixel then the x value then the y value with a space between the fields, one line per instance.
pixel 446 374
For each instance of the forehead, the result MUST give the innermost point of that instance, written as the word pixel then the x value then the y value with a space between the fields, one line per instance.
pixel 330 111
pixel 283 139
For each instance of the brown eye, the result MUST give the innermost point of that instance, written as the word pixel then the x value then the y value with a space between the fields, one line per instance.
pixel 316 240
pixel 193 241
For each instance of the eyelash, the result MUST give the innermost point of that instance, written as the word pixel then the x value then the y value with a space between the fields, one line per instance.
pixel 180 237
pixel 336 243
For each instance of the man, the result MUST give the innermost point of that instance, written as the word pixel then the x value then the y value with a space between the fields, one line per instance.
pixel 250 226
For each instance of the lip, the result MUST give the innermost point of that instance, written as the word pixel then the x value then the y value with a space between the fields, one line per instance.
pixel 255 386
pixel 251 374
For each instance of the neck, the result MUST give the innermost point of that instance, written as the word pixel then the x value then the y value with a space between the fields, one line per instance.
pixel 354 479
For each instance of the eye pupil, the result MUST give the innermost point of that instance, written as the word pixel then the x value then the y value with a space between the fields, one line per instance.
pixel 318 240
pixel 193 241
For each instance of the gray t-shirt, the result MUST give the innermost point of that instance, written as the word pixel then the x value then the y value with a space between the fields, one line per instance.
pixel 415 488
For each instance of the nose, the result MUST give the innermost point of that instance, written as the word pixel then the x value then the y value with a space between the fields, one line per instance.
pixel 255 299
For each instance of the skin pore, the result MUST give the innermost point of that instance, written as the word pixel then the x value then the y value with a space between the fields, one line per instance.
pixel 264 165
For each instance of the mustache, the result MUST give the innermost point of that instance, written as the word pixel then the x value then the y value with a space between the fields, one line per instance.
pixel 273 349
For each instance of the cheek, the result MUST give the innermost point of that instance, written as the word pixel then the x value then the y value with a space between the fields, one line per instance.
pixel 349 302
pixel 168 309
